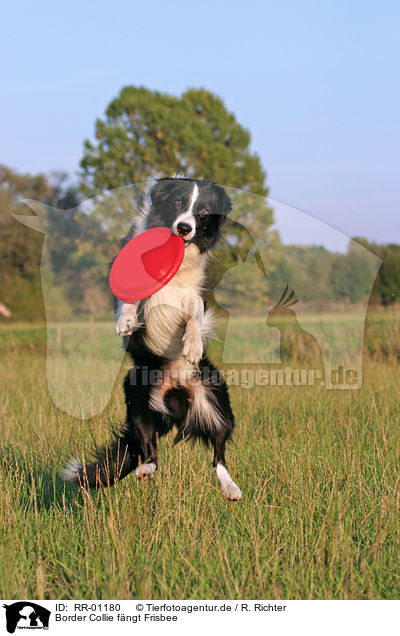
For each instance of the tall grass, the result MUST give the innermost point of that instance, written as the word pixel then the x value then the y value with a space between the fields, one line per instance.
pixel 320 518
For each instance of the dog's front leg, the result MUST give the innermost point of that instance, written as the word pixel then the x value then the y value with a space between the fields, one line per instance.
pixel 127 320
pixel 192 342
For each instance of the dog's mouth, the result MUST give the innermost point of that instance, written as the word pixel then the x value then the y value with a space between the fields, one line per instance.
pixel 187 240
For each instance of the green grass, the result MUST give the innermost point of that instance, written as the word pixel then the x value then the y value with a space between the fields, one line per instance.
pixel 319 470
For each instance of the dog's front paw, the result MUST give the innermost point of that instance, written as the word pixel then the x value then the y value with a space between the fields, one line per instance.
pixel 192 347
pixel 127 321
pixel 126 325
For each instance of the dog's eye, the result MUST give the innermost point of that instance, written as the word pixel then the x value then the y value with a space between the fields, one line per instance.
pixel 203 211
pixel 179 203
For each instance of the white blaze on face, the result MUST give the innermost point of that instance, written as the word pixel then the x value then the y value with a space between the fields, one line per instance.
pixel 188 216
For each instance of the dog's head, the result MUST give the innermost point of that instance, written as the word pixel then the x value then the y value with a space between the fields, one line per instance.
pixel 192 209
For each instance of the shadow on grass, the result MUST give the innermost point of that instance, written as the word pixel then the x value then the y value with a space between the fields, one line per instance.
pixel 36 483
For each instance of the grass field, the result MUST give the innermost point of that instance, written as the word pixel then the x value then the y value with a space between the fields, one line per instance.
pixel 320 473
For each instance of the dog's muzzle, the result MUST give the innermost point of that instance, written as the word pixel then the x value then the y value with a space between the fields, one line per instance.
pixel 184 229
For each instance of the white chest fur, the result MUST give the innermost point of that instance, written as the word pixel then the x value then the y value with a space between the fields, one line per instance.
pixel 167 312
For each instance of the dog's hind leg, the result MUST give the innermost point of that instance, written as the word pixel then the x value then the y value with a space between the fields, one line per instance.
pixel 135 448
pixel 148 450
pixel 229 488
pixel 111 462
pixel 141 422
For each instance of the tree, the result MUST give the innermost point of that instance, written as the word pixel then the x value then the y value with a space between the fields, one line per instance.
pixel 146 133
pixel 150 134
pixel 21 248
pixel 386 290
pixel 352 274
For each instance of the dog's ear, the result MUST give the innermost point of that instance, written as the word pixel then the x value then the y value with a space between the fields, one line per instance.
pixel 160 191
pixel 224 202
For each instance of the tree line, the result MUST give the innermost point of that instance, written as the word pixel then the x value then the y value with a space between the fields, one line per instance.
pixel 146 134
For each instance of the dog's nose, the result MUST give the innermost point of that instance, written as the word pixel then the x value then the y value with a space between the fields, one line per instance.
pixel 184 229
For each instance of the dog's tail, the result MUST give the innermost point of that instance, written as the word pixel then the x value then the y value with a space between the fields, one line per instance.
pixel 111 463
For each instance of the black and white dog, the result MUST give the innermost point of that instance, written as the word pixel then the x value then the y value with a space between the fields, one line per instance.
pixel 173 384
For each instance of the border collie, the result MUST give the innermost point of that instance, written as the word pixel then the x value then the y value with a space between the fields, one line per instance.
pixel 172 383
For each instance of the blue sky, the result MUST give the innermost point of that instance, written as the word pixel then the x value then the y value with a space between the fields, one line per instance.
pixel 317 84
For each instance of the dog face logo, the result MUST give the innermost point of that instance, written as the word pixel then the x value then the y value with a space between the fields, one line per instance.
pixel 26 615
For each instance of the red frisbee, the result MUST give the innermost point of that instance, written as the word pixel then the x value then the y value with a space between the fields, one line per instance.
pixel 146 264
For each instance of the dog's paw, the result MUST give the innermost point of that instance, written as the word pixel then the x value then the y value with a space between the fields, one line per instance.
pixel 232 491
pixel 145 471
pixel 126 326
pixel 127 321
pixel 229 488
pixel 192 347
